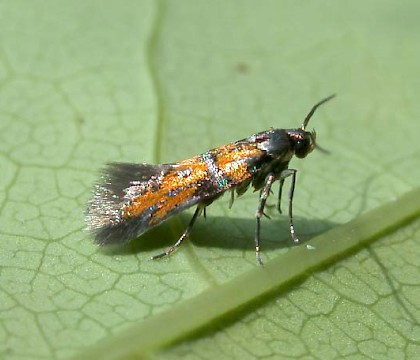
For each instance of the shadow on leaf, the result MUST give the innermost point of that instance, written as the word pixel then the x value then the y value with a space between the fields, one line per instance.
pixel 223 233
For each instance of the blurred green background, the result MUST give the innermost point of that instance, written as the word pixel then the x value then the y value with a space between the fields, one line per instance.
pixel 87 82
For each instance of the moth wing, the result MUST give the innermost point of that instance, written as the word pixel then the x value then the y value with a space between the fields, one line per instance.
pixel 132 198
pixel 104 210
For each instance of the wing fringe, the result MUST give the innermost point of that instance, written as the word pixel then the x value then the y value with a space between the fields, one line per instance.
pixel 104 211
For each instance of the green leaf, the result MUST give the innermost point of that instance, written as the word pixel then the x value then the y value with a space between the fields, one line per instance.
pixel 85 83
pixel 248 289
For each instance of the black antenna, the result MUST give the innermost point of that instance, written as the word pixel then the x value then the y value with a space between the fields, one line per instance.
pixel 308 117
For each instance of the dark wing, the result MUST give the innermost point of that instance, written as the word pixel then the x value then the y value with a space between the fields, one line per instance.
pixel 104 213
pixel 132 198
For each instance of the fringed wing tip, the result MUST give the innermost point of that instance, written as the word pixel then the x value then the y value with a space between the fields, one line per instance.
pixel 103 212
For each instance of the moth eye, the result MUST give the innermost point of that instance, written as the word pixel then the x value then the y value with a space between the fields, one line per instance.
pixel 303 147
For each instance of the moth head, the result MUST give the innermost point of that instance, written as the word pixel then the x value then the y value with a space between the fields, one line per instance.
pixel 305 141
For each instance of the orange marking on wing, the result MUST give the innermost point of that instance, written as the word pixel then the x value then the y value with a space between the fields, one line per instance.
pixel 187 174
pixel 141 203
pixel 194 171
pixel 198 171
pixel 169 203
pixel 232 160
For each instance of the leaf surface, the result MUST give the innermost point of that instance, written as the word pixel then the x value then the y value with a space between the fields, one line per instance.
pixel 85 83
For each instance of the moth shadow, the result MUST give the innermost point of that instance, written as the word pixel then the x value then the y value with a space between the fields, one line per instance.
pixel 238 233
pixel 223 233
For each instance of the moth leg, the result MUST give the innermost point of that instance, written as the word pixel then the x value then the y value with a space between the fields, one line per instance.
pixel 260 212
pixel 279 197
pixel 232 198
pixel 266 205
pixel 186 232
pixel 284 174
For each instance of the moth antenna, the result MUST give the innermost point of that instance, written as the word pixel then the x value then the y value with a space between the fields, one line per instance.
pixel 308 117
pixel 323 150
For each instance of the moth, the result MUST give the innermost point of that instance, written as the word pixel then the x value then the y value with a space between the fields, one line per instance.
pixel 132 198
